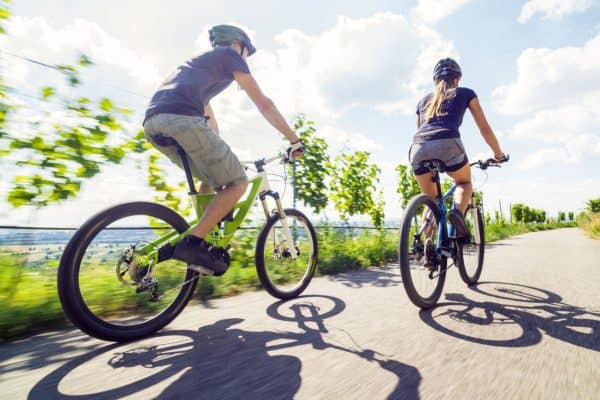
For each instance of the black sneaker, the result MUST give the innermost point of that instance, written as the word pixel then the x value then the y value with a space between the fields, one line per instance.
pixel 458 221
pixel 199 253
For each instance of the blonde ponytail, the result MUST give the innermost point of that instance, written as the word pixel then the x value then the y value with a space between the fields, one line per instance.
pixel 444 90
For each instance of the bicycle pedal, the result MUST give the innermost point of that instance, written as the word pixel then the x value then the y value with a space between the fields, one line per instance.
pixel 200 269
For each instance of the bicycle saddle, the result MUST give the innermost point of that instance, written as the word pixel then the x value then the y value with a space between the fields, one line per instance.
pixel 164 141
pixel 433 163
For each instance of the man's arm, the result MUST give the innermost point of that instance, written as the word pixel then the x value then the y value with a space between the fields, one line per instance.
pixel 265 105
pixel 212 121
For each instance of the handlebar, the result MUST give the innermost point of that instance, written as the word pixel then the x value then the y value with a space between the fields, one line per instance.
pixel 490 162
pixel 286 158
pixel 261 162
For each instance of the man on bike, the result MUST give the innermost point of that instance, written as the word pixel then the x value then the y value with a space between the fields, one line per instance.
pixel 180 110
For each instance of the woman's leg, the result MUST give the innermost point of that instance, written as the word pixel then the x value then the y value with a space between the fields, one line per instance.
pixel 426 184
pixel 464 188
pixel 428 187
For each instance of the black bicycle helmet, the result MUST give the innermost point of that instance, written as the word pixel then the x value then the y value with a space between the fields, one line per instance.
pixel 446 69
pixel 224 35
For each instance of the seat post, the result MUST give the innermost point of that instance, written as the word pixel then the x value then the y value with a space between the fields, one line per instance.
pixel 186 168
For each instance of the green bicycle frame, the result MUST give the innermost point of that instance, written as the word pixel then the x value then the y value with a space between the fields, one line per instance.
pixel 220 237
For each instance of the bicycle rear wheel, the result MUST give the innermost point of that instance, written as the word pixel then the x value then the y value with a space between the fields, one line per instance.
pixel 470 253
pixel 280 274
pixel 110 287
pixel 422 266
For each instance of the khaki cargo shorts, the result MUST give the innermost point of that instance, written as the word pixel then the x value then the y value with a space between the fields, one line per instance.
pixel 211 159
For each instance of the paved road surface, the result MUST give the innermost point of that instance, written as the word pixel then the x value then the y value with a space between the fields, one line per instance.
pixel 530 330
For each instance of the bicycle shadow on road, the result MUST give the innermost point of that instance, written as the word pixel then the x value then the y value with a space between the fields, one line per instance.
pixel 382 276
pixel 218 361
pixel 517 316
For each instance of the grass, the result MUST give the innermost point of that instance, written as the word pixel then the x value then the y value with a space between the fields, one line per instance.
pixel 590 224
pixel 29 301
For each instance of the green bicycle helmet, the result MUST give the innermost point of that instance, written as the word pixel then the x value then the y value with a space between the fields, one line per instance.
pixel 446 69
pixel 224 35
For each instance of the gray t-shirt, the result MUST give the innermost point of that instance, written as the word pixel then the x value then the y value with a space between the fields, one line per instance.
pixel 195 82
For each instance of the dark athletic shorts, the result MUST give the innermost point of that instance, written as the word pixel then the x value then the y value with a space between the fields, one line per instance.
pixel 450 151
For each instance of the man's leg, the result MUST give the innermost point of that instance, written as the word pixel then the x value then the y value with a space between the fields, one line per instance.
pixel 218 207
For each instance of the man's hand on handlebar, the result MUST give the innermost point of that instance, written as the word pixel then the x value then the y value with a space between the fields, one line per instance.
pixel 296 150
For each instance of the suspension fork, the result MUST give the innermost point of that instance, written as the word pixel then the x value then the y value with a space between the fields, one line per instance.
pixel 282 217
pixel 473 208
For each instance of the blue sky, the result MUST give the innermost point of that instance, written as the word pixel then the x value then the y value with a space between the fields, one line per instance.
pixel 356 68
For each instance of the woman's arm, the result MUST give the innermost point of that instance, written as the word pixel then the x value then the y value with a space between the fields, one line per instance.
pixel 484 127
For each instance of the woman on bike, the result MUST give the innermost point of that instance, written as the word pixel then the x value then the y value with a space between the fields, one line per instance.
pixel 180 110
pixel 439 115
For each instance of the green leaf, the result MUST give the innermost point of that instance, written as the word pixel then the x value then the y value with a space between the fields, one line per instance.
pixel 47 92
pixel 106 105
pixel 85 61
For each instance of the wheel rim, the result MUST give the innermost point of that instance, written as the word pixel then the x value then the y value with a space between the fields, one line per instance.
pixel 113 279
pixel 424 261
pixel 285 273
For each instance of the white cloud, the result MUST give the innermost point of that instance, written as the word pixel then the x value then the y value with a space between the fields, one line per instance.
pixel 557 91
pixel 542 157
pixel 552 9
pixel 431 11
pixel 342 69
pixel 381 62
pixel 34 37
pixel 552 77
pixel 338 139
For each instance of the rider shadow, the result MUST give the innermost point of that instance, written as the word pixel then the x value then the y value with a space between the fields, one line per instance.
pixel 531 309
pixel 381 276
pixel 43 349
pixel 216 362
pixel 307 317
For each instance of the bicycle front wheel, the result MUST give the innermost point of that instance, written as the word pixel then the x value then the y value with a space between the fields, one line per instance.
pixel 113 284
pixel 282 275
pixel 422 266
pixel 470 253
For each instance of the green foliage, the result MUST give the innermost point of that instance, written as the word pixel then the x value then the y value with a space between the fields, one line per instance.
pixel 341 250
pixel 29 301
pixel 4 107
pixel 353 186
pixel 311 171
pixel 571 216
pixel 4 14
pixel 407 184
pixel 593 205
pixel 53 163
pixel 524 214
pixel 562 216
pixel 165 193
pixel 590 223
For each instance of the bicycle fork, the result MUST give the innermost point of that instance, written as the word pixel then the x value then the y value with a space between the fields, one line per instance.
pixel 291 247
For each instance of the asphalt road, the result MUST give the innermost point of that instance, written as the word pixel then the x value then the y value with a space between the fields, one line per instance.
pixel 529 330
